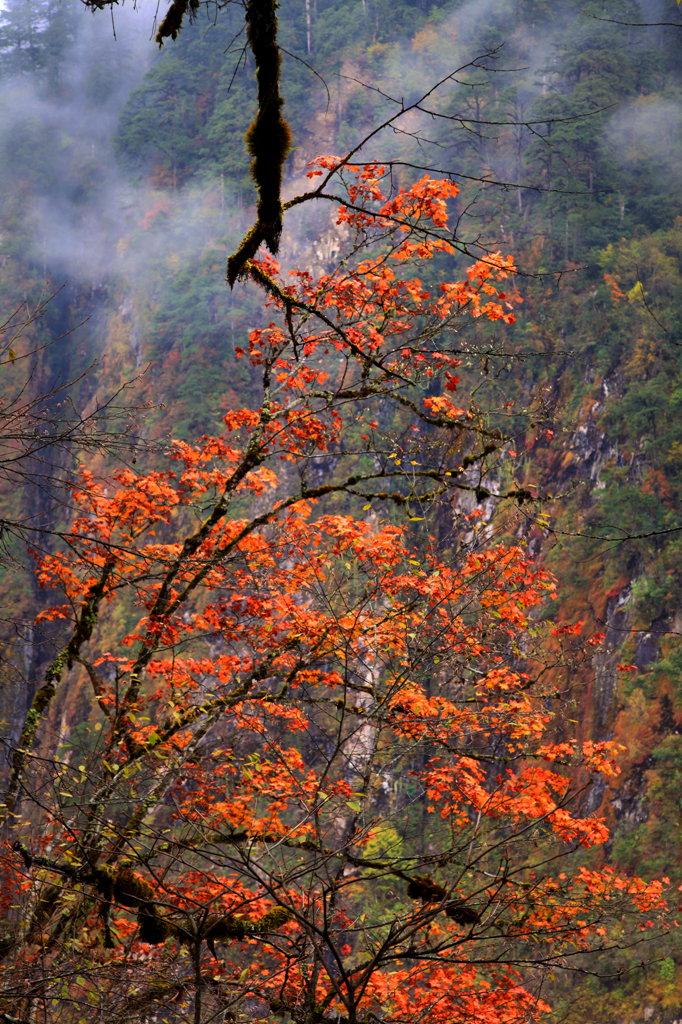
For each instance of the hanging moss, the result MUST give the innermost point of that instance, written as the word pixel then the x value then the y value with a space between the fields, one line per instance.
pixel 153 928
pixel 218 928
pixel 172 22
pixel 458 911
pixel 423 888
pixel 130 889
pixel 268 137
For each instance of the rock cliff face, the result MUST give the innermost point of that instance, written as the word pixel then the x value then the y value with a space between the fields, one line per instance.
pixel 604 663
pixel 620 585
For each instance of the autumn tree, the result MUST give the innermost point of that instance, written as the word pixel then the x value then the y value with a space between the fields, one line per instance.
pixel 312 778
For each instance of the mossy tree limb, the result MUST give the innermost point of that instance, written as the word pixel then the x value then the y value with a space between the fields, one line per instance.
pixel 174 17
pixel 268 137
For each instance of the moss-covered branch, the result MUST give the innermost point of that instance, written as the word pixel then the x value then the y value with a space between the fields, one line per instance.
pixel 268 137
